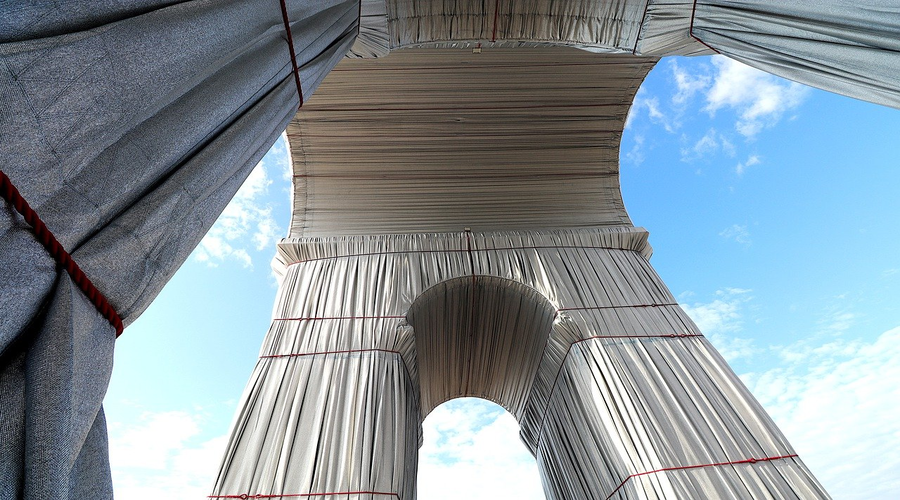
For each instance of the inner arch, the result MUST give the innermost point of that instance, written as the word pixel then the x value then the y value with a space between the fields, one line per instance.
pixel 479 336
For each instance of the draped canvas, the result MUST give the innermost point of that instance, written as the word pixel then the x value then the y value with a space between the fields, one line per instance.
pixel 128 128
pixel 844 47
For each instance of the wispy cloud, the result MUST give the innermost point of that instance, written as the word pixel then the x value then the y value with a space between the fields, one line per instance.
pixel 720 319
pixel 759 99
pixel 636 154
pixel 160 456
pixel 838 401
pixel 472 450
pixel 737 233
pixel 651 105
pixel 280 158
pixel 246 222
pixel 710 144
pixel 749 162
pixel 686 84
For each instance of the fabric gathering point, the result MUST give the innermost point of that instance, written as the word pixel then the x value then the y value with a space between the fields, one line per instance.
pixel 12 197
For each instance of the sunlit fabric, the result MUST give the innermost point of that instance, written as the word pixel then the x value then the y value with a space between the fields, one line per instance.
pixel 847 48
pixel 570 331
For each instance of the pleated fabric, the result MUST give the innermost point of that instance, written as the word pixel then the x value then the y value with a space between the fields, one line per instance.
pixel 617 392
pixel 127 126
pixel 433 140
pixel 843 47
pixel 646 27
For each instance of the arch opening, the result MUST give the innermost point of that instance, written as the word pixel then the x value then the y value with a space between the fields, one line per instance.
pixel 479 336
pixel 471 447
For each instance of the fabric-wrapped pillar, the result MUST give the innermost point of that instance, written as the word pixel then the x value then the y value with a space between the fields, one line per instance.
pixel 643 407
pixel 623 399
pixel 332 406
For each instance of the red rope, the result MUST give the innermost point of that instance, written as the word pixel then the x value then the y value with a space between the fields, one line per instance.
pixel 626 306
pixel 637 38
pixel 347 351
pixel 290 41
pixel 496 12
pixel 442 177
pixel 323 318
pixel 245 496
pixel 684 467
pixel 59 254
pixel 691 29
pixel 472 304
pixel 491 68
pixel 458 250
pixel 467 108
pixel 563 362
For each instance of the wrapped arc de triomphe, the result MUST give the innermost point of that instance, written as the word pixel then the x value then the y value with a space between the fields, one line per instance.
pixel 458 230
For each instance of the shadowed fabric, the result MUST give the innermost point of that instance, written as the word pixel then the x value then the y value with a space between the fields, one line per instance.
pixel 127 127
pixel 432 140
pixel 841 47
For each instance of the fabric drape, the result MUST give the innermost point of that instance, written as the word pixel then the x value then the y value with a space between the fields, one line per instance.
pixel 128 127
pixel 844 47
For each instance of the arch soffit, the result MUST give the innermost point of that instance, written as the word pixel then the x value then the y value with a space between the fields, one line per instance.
pixel 479 336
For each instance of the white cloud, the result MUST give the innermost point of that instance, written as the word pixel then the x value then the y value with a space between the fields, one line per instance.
pixel 281 158
pixel 759 99
pixel 838 403
pixel 636 154
pixel 711 143
pixel 738 233
pixel 654 111
pixel 720 319
pixel 749 162
pixel 471 450
pixel 245 222
pixel 161 456
pixel 826 339
pixel 707 144
pixel 686 84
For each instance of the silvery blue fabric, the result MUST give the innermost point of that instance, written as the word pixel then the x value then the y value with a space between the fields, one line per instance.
pixel 127 126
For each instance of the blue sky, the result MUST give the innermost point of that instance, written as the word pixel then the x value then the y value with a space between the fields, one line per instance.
pixel 772 209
